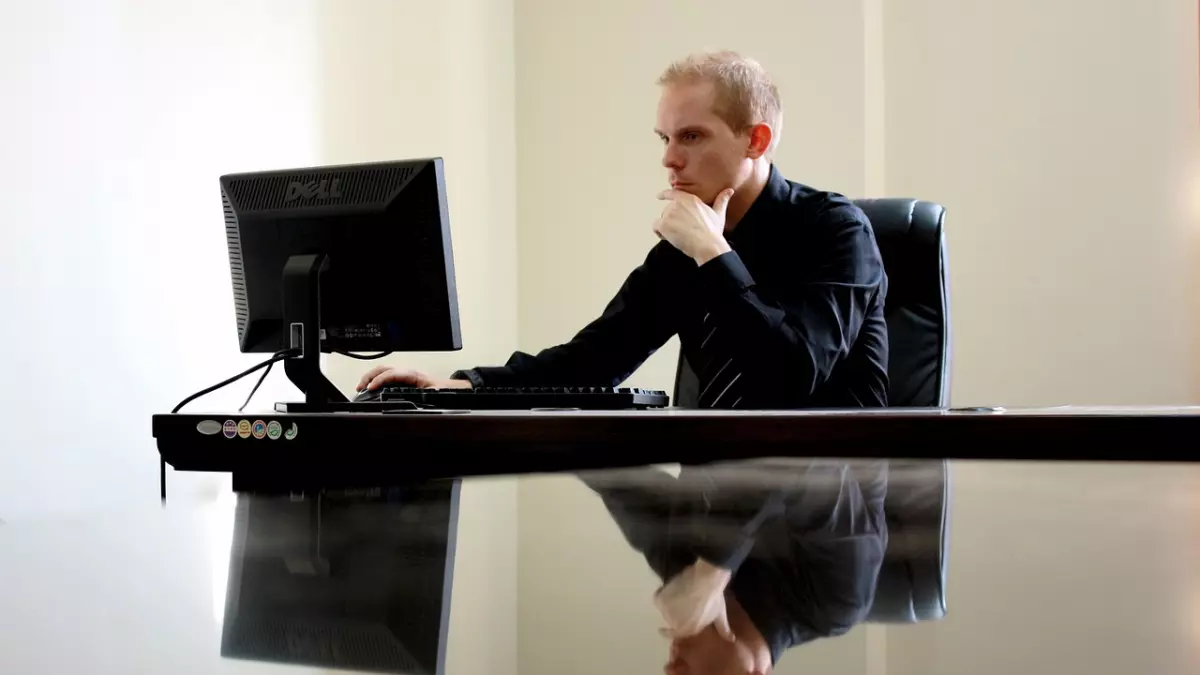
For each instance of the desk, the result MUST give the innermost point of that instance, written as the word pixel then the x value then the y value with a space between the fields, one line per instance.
pixel 341 448
pixel 1053 567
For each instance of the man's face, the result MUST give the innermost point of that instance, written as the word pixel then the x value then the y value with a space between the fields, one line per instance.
pixel 701 153
pixel 707 653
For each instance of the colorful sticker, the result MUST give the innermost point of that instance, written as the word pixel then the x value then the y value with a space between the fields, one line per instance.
pixel 209 427
pixel 244 428
pixel 260 429
pixel 230 429
pixel 274 430
pixel 291 433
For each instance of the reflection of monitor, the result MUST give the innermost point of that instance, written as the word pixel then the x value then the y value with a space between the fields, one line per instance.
pixel 350 579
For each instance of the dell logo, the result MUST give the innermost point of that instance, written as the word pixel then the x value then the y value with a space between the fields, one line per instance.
pixel 318 189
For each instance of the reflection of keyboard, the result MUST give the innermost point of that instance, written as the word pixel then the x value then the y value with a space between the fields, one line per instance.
pixel 518 398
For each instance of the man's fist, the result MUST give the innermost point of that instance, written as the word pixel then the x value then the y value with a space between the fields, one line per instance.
pixel 694 600
pixel 381 375
pixel 693 227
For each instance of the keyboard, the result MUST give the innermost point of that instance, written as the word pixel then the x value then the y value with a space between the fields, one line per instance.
pixel 398 399
pixel 525 398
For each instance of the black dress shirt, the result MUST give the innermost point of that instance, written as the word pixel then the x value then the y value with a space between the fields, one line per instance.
pixel 797 304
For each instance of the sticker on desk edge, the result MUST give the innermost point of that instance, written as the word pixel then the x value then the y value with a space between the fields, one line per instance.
pixel 274 430
pixel 209 427
pixel 244 428
pixel 291 433
pixel 230 429
pixel 260 429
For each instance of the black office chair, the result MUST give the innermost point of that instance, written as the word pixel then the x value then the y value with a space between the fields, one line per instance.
pixel 912 243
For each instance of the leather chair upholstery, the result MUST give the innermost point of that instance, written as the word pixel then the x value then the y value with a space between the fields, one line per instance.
pixel 913 245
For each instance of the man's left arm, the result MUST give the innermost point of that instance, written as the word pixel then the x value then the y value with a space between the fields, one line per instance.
pixel 720 514
pixel 799 330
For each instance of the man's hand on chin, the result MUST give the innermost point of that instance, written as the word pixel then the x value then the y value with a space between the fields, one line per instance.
pixel 693 227
pixel 694 600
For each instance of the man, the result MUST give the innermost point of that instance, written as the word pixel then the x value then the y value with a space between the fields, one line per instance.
pixel 756 557
pixel 775 289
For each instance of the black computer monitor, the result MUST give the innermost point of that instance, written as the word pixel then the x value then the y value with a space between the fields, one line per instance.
pixel 341 258
pixel 356 579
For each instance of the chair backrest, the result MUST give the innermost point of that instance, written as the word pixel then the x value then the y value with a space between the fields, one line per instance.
pixel 913 245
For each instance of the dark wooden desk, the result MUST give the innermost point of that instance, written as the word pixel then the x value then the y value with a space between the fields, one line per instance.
pixel 352 448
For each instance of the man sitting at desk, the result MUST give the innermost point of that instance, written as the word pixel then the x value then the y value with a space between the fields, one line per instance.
pixel 775 289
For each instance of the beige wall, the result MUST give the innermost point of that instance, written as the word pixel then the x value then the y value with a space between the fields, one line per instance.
pixel 1062 141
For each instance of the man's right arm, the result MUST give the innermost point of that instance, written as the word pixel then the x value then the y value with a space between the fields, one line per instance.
pixel 634 324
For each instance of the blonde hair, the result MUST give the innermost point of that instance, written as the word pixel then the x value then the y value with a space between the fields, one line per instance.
pixel 744 91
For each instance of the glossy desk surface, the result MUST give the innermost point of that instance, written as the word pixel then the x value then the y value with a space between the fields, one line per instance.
pixel 1039 567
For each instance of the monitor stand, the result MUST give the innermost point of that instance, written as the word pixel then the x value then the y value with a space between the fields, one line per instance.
pixel 302 330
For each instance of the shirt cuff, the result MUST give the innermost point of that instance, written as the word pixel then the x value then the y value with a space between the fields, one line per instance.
pixel 473 376
pixel 726 273
pixel 726 555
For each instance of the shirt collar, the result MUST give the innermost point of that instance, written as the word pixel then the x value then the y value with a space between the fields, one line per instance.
pixel 774 192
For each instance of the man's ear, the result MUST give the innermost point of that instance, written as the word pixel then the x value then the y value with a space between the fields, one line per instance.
pixel 760 140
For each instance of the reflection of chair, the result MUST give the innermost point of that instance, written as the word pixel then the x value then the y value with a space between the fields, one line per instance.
pixel 912 580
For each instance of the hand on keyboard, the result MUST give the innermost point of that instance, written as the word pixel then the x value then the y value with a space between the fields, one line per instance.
pixel 381 375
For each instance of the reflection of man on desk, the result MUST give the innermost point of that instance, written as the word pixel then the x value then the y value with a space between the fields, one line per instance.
pixel 775 289
pixel 755 558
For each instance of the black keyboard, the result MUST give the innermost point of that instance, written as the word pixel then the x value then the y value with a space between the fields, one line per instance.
pixel 396 398
pixel 523 398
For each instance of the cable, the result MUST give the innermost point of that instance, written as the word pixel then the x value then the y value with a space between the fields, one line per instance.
pixel 256 386
pixel 278 356
pixel 365 357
